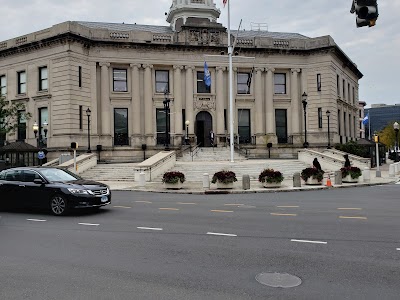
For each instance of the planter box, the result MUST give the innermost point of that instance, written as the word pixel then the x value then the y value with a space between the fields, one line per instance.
pixel 272 184
pixel 313 181
pixel 349 179
pixel 221 185
pixel 173 186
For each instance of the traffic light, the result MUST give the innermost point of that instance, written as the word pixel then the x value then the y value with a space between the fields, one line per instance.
pixel 366 11
pixel 74 145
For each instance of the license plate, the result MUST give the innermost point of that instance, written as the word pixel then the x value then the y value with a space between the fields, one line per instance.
pixel 104 199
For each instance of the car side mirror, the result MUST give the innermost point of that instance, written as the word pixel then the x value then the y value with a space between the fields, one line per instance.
pixel 38 181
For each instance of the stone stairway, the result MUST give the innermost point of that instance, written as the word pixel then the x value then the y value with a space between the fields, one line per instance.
pixel 211 154
pixel 111 172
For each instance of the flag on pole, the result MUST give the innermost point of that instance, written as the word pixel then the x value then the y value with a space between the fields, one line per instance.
pixel 224 2
pixel 207 75
pixel 366 119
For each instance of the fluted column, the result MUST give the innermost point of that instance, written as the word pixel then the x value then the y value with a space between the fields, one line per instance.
pixel 178 101
pixel 220 101
pixel 135 106
pixel 269 107
pixel 148 104
pixel 295 103
pixel 259 115
pixel 105 100
pixel 189 98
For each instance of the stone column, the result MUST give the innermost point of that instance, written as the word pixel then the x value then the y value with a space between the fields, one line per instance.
pixel 94 102
pixel 135 106
pixel 148 105
pixel 259 113
pixel 295 103
pixel 178 104
pixel 105 100
pixel 189 98
pixel 220 102
pixel 269 107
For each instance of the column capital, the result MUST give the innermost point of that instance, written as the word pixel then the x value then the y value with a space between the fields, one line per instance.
pixel 135 66
pixel 178 67
pixel 269 69
pixel 234 69
pixel 258 69
pixel 147 66
pixel 104 64
pixel 295 70
pixel 220 68
pixel 190 67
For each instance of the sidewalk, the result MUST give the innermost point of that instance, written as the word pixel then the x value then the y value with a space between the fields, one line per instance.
pixel 255 186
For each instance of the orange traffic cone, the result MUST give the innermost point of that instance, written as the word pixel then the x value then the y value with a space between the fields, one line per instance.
pixel 328 181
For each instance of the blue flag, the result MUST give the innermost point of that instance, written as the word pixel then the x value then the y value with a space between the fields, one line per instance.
pixel 207 75
pixel 366 119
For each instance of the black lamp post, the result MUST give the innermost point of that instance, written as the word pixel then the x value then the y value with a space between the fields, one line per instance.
pixel 396 145
pixel 166 110
pixel 187 131
pixel 88 113
pixel 304 101
pixel 35 128
pixel 328 114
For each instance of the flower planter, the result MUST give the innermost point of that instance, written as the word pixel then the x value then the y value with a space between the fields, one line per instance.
pixel 221 185
pixel 313 181
pixel 173 186
pixel 271 184
pixel 349 179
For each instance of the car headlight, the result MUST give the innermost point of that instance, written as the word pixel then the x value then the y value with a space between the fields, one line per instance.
pixel 80 192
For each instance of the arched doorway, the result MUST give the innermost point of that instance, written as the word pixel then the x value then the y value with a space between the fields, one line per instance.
pixel 203 127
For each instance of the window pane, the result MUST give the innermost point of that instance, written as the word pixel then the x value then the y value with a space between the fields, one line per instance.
pixel 242 88
pixel 242 78
pixel 22 89
pixel 120 86
pixel 22 77
pixel 244 117
pixel 43 73
pixel 280 78
pixel 200 75
pixel 280 89
pixel 281 125
pixel 119 74
pixel 160 115
pixel 161 87
pixel 121 126
pixel 162 76
pixel 44 85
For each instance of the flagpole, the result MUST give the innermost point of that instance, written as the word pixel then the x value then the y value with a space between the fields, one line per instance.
pixel 230 50
pixel 369 125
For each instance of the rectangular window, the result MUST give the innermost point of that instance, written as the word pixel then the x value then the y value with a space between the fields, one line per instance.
pixel 281 125
pixel 21 82
pixel 348 93
pixel 43 79
pixel 243 83
pixel 80 117
pixel 80 76
pixel 344 89
pixel 280 83
pixel 201 86
pixel 3 85
pixel 225 120
pixel 319 84
pixel 162 81
pixel 43 124
pixel 339 123
pixel 350 127
pixel 121 137
pixel 183 119
pixel 319 117
pixel 120 80
pixel 244 126
pixel 354 126
pixel 338 85
pixel 21 132
pixel 344 124
pixel 354 96
pixel 161 126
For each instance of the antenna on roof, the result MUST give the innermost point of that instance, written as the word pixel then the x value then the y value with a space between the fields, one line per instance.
pixel 259 26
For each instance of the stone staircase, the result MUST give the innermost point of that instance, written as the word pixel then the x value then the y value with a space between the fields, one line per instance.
pixel 111 172
pixel 211 154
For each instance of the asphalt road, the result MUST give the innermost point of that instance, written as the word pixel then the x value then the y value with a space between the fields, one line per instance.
pixel 341 243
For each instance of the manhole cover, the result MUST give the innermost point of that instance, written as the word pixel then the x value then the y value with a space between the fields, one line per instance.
pixel 282 280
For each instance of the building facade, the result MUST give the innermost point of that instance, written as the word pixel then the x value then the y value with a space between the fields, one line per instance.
pixel 381 115
pixel 125 73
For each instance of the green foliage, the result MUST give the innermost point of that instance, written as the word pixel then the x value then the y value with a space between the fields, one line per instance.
pixel 353 171
pixel 353 148
pixel 9 112
pixel 387 135
pixel 173 177
pixel 270 176
pixel 224 177
pixel 312 172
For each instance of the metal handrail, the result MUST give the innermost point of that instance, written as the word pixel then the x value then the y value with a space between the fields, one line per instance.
pixel 242 151
pixel 195 150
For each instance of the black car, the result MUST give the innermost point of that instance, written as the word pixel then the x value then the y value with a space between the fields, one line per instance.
pixel 56 189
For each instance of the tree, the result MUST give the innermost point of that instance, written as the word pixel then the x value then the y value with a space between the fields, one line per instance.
pixel 9 114
pixel 387 136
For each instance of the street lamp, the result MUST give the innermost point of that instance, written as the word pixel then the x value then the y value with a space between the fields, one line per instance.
pixel 166 110
pixel 328 114
pixel 396 145
pixel 187 132
pixel 304 101
pixel 35 128
pixel 45 130
pixel 88 113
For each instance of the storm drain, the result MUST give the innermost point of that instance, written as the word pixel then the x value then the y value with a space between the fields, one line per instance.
pixel 278 280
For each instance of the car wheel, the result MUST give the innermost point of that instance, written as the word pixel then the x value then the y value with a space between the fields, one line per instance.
pixel 58 205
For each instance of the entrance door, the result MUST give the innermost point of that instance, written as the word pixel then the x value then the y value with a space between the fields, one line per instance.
pixel 203 128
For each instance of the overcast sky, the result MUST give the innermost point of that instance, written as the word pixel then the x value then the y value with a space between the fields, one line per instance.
pixel 375 50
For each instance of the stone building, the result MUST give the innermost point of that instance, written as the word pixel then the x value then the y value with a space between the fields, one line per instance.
pixel 124 72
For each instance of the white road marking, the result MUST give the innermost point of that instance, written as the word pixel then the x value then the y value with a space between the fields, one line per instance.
pixel 150 228
pixel 349 208
pixel 36 220
pixel 120 206
pixel 186 203
pixel 88 224
pixel 221 211
pixel 398 249
pixel 143 202
pixel 285 215
pixel 220 234
pixel 288 206
pixel 305 241
pixel 359 218
pixel 232 204
pixel 168 208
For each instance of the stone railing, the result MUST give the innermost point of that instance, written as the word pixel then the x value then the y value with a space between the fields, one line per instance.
pixel 327 162
pixel 356 161
pixel 155 165
pixel 83 162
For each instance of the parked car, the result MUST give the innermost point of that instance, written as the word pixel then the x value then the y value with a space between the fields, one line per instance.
pixel 56 189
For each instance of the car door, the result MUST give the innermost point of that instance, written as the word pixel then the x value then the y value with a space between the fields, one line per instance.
pixel 12 187
pixel 34 194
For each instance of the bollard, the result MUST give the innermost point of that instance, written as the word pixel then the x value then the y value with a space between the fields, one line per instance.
pixel 296 180
pixel 392 168
pixel 142 179
pixel 246 182
pixel 396 168
pixel 206 181
pixel 366 174
pixel 338 177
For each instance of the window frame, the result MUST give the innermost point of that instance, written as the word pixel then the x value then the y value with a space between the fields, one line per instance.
pixel 320 117
pixel 21 130
pixel 319 82
pixel 160 81
pixel 121 139
pixel 3 88
pixel 282 139
pixel 42 80
pixel 245 83
pixel 280 84
pixel 21 84
pixel 118 80
pixel 201 85
pixel 247 127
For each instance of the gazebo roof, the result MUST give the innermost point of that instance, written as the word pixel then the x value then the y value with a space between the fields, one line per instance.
pixel 19 146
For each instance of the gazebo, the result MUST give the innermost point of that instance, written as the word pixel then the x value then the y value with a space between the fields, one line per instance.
pixel 18 154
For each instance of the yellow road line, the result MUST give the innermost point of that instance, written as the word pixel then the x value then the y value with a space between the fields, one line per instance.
pixel 349 208
pixel 120 206
pixel 287 215
pixel 143 202
pixel 288 206
pixel 344 217
pixel 222 211
pixel 168 208
pixel 186 203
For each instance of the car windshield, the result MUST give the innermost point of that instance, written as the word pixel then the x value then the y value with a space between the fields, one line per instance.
pixel 58 175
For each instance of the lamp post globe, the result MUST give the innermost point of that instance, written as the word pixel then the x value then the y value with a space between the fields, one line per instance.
pixel 187 132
